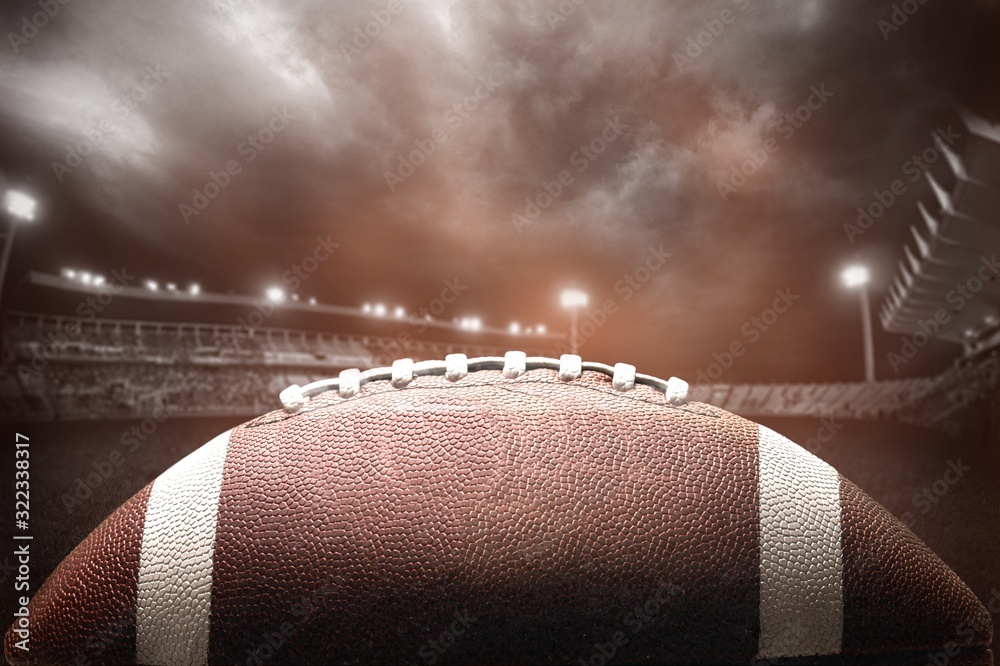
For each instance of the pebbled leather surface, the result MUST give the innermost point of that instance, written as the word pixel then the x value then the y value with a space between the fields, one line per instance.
pixel 547 511
pixel 85 612
pixel 897 590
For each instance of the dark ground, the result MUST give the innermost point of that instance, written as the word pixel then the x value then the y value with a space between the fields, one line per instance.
pixel 891 462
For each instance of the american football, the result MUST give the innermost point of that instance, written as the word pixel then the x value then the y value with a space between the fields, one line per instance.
pixel 262 266
pixel 523 502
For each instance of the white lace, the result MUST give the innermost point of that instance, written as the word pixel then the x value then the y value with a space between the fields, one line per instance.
pixel 456 366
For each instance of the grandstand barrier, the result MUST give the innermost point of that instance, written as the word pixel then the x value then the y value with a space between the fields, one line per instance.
pixel 874 400
pixel 125 369
pixel 251 303
pixel 70 368
pixel 46 338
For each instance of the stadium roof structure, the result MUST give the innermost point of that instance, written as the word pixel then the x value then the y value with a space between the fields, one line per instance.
pixel 947 286
pixel 249 303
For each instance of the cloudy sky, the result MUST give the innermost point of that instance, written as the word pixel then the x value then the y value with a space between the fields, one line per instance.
pixel 518 146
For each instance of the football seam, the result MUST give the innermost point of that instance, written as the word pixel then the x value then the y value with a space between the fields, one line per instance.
pixel 284 416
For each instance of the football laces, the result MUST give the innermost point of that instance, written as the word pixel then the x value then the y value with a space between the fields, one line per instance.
pixel 454 367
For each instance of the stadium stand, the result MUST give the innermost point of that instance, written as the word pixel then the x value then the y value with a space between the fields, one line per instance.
pixel 68 368
pixel 946 286
pixel 876 400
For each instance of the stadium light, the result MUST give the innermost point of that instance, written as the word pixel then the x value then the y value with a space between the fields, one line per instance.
pixel 528 331
pixel 399 312
pixel 379 310
pixel 858 277
pixel 470 323
pixel 367 307
pixel 85 277
pixel 98 281
pixel 68 273
pixel 275 295
pixel 572 300
pixel 194 289
pixel 171 286
pixel 514 328
pixel 540 329
pixel 152 285
pixel 312 300
pixel 295 297
pixel 855 276
pixel 20 205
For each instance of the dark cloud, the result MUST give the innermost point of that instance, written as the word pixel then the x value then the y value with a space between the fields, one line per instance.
pixel 551 76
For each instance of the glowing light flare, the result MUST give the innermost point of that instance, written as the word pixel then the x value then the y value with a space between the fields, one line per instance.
pixel 20 205
pixel 470 323
pixel 573 298
pixel 855 276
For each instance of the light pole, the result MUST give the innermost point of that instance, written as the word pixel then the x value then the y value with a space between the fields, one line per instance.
pixel 573 300
pixel 857 277
pixel 20 207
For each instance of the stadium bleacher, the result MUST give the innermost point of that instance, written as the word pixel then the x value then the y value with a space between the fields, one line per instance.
pixel 947 285
pixel 71 368
pixel 119 368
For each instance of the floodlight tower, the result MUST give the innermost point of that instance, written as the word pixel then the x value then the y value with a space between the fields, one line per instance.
pixel 573 300
pixel 857 277
pixel 20 208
